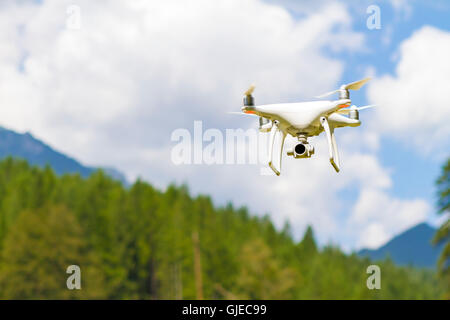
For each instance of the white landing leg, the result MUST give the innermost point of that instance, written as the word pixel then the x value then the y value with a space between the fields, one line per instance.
pixel 276 132
pixel 332 146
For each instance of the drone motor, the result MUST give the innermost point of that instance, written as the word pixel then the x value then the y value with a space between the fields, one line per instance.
pixel 265 125
pixel 249 101
pixel 354 114
pixel 343 93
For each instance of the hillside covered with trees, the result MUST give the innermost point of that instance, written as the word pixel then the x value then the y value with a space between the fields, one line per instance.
pixel 143 243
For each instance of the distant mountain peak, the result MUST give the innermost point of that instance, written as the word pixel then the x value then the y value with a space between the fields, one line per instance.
pixel 36 152
pixel 422 225
pixel 412 247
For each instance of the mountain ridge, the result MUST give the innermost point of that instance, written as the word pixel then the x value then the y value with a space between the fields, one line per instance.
pixel 37 152
pixel 411 247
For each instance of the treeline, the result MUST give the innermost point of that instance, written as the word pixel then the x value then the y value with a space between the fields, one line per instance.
pixel 142 243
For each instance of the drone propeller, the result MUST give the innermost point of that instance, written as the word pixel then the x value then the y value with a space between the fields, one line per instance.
pixel 366 107
pixel 355 85
pixel 345 87
pixel 249 90
pixel 347 111
pixel 242 113
pixel 326 94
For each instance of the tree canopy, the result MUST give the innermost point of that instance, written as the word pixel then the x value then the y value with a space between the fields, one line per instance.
pixel 443 233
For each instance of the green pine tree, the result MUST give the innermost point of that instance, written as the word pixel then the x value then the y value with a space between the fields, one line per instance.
pixel 36 253
pixel 308 244
pixel 262 275
pixel 443 233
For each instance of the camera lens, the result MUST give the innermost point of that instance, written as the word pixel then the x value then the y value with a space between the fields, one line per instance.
pixel 300 149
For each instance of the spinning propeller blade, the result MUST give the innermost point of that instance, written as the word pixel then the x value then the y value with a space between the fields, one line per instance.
pixel 356 85
pixel 242 113
pixel 346 111
pixel 350 86
pixel 327 94
pixel 250 90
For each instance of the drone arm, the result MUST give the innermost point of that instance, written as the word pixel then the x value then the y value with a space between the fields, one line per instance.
pixel 332 146
pixel 280 133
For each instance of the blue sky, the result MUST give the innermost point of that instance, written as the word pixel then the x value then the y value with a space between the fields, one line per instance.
pixel 414 173
pixel 416 176
pixel 109 83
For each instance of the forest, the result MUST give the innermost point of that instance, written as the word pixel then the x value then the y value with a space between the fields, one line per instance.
pixel 139 242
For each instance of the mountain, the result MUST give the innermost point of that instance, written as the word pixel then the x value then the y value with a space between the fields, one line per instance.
pixel 38 153
pixel 412 247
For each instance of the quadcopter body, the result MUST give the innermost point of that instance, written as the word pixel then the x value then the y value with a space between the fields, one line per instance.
pixel 305 119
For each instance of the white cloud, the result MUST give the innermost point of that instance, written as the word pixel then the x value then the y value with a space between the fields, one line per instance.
pixel 383 215
pixel 374 236
pixel 402 6
pixel 413 104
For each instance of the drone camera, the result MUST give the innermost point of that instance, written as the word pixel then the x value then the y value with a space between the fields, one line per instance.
pixel 301 150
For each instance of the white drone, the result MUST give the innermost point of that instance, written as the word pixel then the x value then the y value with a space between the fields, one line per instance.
pixel 306 119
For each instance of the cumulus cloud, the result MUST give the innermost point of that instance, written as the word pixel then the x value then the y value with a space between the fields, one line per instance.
pixel 402 6
pixel 383 215
pixel 413 103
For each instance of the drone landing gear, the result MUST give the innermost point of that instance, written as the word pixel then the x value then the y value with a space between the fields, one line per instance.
pixel 281 136
pixel 332 146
